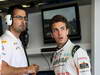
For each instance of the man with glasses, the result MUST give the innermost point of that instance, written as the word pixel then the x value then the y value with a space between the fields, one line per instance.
pixel 12 56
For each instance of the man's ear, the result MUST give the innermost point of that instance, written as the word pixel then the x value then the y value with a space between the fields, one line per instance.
pixel 68 32
pixel 52 35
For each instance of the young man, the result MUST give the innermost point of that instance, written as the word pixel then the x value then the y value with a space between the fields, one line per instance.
pixel 63 62
pixel 12 57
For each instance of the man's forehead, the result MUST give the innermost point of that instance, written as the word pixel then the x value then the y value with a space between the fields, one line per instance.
pixel 59 24
pixel 19 12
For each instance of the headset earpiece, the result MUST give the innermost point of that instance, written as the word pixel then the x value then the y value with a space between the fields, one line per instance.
pixel 8 19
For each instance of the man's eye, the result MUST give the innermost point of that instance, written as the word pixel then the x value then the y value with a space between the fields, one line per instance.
pixel 54 30
pixel 21 17
pixel 62 28
pixel 18 17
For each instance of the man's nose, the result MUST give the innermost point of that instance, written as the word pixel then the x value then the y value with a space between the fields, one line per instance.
pixel 59 32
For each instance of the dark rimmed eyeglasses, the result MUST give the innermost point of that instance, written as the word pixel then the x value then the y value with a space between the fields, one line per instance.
pixel 21 17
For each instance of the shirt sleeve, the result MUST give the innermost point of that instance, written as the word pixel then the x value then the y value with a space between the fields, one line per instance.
pixel 0 52
pixel 4 53
pixel 82 62
pixel 0 56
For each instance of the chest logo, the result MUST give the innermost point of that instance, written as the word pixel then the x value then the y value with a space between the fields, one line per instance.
pixel 4 41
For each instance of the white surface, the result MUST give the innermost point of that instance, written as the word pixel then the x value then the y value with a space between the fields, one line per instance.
pixel 97 36
pixel 38 50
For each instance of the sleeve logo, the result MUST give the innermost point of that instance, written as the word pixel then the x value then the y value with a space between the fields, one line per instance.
pixel 84 65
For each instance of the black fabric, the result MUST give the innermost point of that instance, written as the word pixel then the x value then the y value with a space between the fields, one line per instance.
pixel 24 37
pixel 26 57
pixel 75 48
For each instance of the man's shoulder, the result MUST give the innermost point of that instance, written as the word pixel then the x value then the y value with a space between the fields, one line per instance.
pixel 74 49
pixel 5 39
pixel 80 53
pixel 6 36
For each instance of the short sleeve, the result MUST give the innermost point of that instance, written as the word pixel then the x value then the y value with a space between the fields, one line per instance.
pixel 4 54
pixel 0 51
pixel 0 56
pixel 82 62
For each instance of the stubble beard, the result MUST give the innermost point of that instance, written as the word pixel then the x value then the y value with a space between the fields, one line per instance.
pixel 19 29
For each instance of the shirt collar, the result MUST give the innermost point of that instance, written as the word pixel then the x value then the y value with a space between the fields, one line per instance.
pixel 67 45
pixel 9 33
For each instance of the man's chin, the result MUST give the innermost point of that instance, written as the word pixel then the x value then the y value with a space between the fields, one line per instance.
pixel 61 42
pixel 22 30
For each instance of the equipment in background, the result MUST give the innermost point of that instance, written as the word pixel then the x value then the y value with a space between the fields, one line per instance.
pixel 24 37
pixel 8 19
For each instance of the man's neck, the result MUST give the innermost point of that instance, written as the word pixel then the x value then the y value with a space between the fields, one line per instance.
pixel 16 34
pixel 61 45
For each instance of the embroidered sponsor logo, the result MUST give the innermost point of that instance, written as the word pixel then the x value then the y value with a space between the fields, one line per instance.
pixel 67 54
pixel 3 47
pixel 61 60
pixel 82 58
pixel 0 57
pixel 4 41
pixel 84 65
pixel 58 60
pixel 15 43
pixel 3 53
pixel 18 48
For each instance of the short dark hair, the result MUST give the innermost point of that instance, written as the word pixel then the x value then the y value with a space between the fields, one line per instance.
pixel 12 8
pixel 58 18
